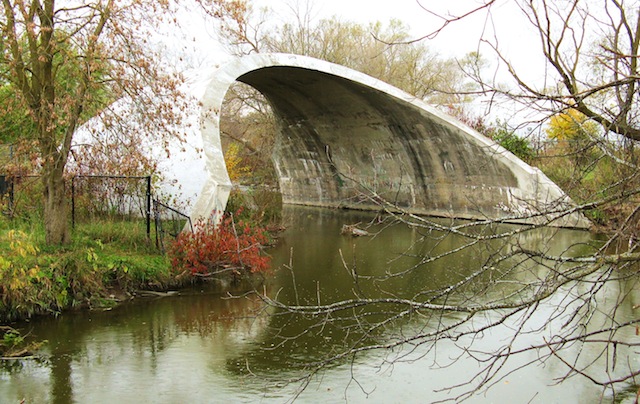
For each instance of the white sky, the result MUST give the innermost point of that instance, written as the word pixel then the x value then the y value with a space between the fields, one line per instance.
pixel 456 40
pixel 408 11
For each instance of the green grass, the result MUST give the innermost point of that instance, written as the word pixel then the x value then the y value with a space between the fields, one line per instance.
pixel 104 257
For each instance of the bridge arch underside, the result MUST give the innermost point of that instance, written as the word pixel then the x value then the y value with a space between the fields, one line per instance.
pixel 340 141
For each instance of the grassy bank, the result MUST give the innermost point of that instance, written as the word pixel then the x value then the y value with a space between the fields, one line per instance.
pixel 106 262
pixel 111 259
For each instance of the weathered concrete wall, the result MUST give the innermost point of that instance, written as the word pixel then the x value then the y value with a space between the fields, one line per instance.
pixel 344 136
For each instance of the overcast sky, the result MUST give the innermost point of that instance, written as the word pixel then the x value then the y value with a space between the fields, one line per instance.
pixel 411 12
pixel 456 40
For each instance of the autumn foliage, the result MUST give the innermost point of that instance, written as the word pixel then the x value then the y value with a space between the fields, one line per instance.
pixel 231 248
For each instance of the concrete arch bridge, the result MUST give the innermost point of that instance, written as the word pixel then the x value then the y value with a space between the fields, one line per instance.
pixel 343 135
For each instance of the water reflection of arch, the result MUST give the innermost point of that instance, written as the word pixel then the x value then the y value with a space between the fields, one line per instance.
pixel 341 131
pixel 320 275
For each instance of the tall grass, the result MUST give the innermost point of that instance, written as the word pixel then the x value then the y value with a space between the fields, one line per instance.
pixel 104 258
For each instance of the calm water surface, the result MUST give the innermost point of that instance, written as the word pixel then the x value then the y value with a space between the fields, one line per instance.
pixel 204 347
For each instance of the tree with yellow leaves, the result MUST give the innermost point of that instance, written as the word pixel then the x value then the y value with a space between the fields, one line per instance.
pixel 572 125
pixel 233 160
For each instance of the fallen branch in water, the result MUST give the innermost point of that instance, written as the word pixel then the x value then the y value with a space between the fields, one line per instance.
pixel 353 230
pixel 153 293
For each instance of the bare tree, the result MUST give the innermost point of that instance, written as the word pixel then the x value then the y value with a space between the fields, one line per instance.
pixel 544 304
pixel 591 54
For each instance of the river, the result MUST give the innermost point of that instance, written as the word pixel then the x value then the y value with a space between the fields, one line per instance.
pixel 203 346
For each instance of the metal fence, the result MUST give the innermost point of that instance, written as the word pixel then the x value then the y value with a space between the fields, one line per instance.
pixel 20 194
pixel 98 198
pixel 168 222
pixel 111 197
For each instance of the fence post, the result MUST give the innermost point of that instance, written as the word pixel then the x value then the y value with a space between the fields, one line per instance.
pixel 11 194
pixel 12 180
pixel 155 220
pixel 73 202
pixel 148 207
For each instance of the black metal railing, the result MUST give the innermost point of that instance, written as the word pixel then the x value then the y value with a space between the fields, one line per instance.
pixel 169 221
pixel 100 197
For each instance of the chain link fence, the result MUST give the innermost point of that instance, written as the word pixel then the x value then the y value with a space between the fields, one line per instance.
pixel 98 200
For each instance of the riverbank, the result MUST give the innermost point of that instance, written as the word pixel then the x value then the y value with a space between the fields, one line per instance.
pixel 110 260
pixel 106 262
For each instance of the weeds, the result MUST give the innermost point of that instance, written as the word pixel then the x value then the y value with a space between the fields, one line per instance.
pixel 39 279
pixel 13 344
pixel 115 257
pixel 589 177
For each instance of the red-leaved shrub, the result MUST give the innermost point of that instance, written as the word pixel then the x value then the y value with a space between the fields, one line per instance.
pixel 231 246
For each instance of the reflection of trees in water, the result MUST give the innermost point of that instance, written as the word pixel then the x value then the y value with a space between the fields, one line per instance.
pixel 207 314
pixel 223 317
pixel 505 296
pixel 58 355
pixel 96 345
pixel 329 269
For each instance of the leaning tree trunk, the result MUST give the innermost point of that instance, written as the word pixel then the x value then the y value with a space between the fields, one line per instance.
pixel 55 208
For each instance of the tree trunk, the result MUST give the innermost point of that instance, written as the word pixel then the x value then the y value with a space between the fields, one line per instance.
pixel 55 209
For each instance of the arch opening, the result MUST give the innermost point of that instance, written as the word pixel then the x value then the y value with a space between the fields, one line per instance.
pixel 344 139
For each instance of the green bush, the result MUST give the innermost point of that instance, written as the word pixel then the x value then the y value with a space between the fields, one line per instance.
pixel 517 145
pixel 259 206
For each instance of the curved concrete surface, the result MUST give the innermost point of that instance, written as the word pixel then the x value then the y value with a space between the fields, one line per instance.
pixel 345 137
